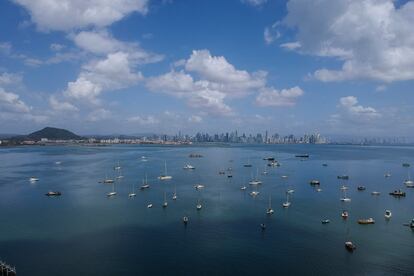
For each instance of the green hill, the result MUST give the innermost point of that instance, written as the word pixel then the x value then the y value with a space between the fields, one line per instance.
pixel 52 133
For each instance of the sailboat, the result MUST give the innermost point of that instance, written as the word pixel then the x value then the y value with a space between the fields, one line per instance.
pixel 113 193
pixel 145 184
pixel 345 198
pixel 270 211
pixel 165 204
pixel 117 167
pixel 107 180
pixel 248 164
pixel 287 203
pixel 132 194
pixel 256 180
pixel 165 176
pixel 199 206
pixel 265 171
pixel 409 183
pixel 174 197
pixel 119 176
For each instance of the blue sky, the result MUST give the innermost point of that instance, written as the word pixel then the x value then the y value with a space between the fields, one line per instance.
pixel 134 66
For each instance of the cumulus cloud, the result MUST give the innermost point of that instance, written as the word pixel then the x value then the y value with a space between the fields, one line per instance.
pixel 255 3
pixel 98 115
pixel 206 81
pixel 195 119
pixel 291 45
pixel 10 102
pixel 373 39
pixel 64 15
pixel 351 109
pixel 7 79
pixel 61 105
pixel 274 97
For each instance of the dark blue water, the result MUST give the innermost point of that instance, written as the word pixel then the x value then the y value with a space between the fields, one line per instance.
pixel 85 233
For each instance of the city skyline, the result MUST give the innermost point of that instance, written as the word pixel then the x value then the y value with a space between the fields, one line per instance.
pixel 146 66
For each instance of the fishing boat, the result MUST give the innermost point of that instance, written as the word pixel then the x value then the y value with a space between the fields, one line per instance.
pixel 287 203
pixel 165 204
pixel 325 221
pixel 185 219
pixel 343 177
pixel 388 214
pixel 51 193
pixel 243 188
pixel 165 176
pixel 149 205
pixel 33 179
pixel 315 182
pixel 350 246
pixel 361 188
pixel 366 221
pixel 188 167
pixel 398 193
pixel 344 214
pixel 199 186
pixel 270 211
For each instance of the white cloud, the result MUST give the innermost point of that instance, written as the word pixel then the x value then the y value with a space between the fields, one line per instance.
pixel 144 120
pixel 11 103
pixel 291 45
pixel 98 115
pixel 61 105
pixel 352 110
pixel 65 15
pixel 195 119
pixel 56 47
pixel 5 47
pixel 373 38
pixel 7 79
pixel 255 3
pixel 271 34
pixel 273 97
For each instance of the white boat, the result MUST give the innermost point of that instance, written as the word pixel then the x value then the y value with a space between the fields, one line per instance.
pixel 165 176
pixel 33 179
pixel 409 183
pixel 113 193
pixel 243 188
pixel 149 205
pixel 199 186
pixel 188 167
pixel 319 190
pixel 265 171
pixel 270 211
pixel 165 204
pixel 174 197
pixel 58 162
pixel 119 176
pixel 185 219
pixel 144 159
pixel 132 194
pixel 387 174
pixel 388 214
pixel 375 193
pixel 256 181
pixel 199 206
pixel 287 203
pixel 345 198
pixel 145 184
pixel 290 191
pixel 254 193
pixel 344 187
pixel 117 167
pixel 284 176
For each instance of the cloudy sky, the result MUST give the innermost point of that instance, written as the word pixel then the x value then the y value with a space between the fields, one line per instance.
pixel 134 66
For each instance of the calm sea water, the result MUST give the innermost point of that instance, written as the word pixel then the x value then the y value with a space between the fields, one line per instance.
pixel 85 233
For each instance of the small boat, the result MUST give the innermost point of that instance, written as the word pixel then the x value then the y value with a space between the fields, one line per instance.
pixel 315 182
pixel 143 187
pixel 58 162
pixel 284 176
pixel 412 224
pixel 33 179
pixel 165 204
pixel 361 188
pixel 366 221
pixel 144 159
pixel 269 158
pixel 343 177
pixel 117 167
pixel 302 155
pixel 344 187
pixel 287 203
pixel 222 172
pixel 248 164
pixel 405 164
pixel 408 182
pixel 325 165
pixel 188 167
pixel 174 197
pixel 344 214
pixel 273 164
pixel 145 184
pixel 262 226
pixel 108 180
pixel 254 193
pixel 132 194
pixel 113 193
pixel 269 210
pixel 387 174
pixel 50 193
pixel 185 219
pixel 398 193
pixel 375 193
pixel 325 221
pixel 350 246
pixel 149 205
pixel 165 176
pixel 290 191
pixel 199 206
pixel 345 198
pixel 255 182
pixel 319 190
pixel 229 176
pixel 199 186
pixel 243 188
pixel 195 155
pixel 388 214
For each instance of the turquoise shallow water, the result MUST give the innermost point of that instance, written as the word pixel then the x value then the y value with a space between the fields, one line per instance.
pixel 85 233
